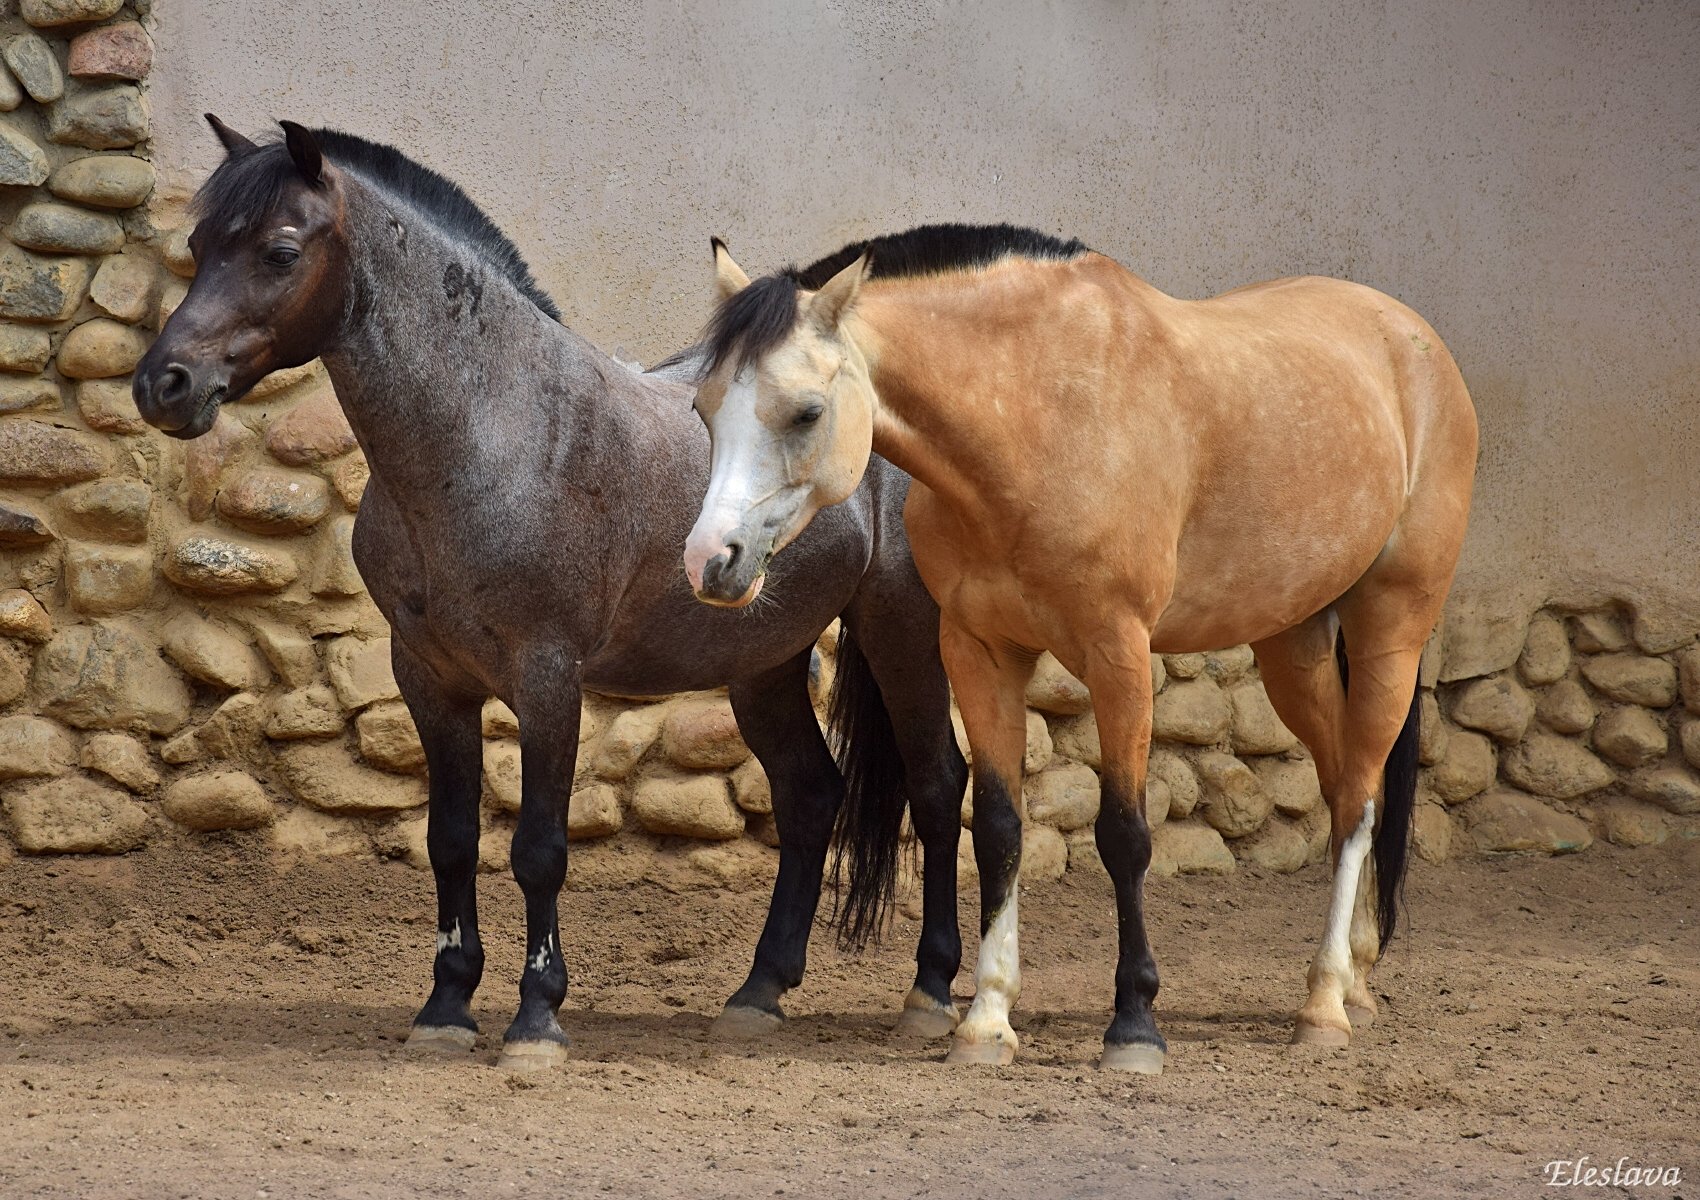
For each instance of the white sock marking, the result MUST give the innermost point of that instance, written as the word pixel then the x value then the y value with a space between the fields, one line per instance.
pixel 997 976
pixel 540 960
pixel 1335 957
pixel 449 940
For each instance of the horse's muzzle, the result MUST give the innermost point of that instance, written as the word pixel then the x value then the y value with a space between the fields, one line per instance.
pixel 172 400
pixel 731 579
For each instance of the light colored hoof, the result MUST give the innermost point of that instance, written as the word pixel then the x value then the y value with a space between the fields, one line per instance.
pixel 1307 1034
pixel 441 1039
pixel 1138 1057
pixel 739 1024
pixel 981 1054
pixel 1360 1015
pixel 925 1018
pixel 532 1056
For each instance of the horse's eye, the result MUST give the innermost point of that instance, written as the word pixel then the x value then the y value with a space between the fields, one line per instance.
pixel 282 256
pixel 809 415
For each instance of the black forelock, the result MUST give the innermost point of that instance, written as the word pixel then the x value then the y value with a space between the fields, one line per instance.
pixel 248 185
pixel 757 319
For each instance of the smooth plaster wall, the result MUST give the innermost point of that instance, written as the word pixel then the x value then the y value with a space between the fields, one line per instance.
pixel 1525 173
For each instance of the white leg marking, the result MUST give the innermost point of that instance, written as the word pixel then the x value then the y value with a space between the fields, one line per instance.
pixel 1335 957
pixel 449 940
pixel 997 976
pixel 540 960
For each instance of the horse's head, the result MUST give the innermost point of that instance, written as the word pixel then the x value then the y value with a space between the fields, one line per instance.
pixel 790 416
pixel 270 287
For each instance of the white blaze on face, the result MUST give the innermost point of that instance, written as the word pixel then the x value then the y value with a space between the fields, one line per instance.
pixel 449 940
pixel 736 479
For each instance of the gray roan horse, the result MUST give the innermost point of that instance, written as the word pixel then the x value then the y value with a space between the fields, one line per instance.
pixel 521 532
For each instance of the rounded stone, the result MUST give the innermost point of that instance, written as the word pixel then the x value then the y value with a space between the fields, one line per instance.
pixel 1036 754
pixel 214 655
pixel 49 13
pixel 362 671
pixel 34 452
pixel 322 775
pixel 312 432
pixel 1053 690
pixel 53 228
pixel 1181 779
pixel 1557 767
pixel 1630 737
pixel 98 116
pixel 1234 802
pixel 123 287
pixel 1632 679
pixel 33 748
pixel 1675 789
pixel 1431 833
pixel 627 739
pixel 1598 633
pixel 23 617
pixel 101 349
pixel 1063 797
pixel 106 405
pixel 1506 821
pixel 273 502
pixel 1432 732
pixel 24 349
pixel 223 800
pixel 1290 784
pixel 21 525
pixel 1691 742
pixel 34 65
pixel 1276 846
pixel 501 776
pixel 22 162
pixel 1566 708
pixel 751 790
pixel 1257 729
pixel 218 567
pixel 75 816
pixel 702 734
pixel 1498 707
pixel 1688 663
pixel 309 712
pixel 389 739
pixel 1546 652
pixel 114 181
pixel 121 50
pixel 35 287
pixel 1044 855
pixel 594 812
pixel 121 758
pixel 694 806
pixel 1193 711
pixel 1469 768
pixel 114 510
pixel 1631 822
pixel 103 580
pixel 1075 738
pixel 1189 848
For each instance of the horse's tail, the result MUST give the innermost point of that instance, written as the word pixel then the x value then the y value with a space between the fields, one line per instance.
pixel 1398 804
pixel 870 821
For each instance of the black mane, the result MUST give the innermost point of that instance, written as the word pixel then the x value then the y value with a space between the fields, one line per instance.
pixel 248 184
pixel 761 316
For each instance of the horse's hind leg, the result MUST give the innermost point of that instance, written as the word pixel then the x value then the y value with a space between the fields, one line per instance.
pixel 449 729
pixel 899 638
pixel 778 722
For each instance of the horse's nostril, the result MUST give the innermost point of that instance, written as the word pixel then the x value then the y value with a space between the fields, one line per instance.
pixel 733 549
pixel 174 384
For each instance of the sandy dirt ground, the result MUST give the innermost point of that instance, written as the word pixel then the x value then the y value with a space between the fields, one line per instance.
pixel 199 1022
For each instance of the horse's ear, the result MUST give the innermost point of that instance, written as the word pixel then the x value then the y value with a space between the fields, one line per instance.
pixel 234 143
pixel 829 305
pixel 304 149
pixel 729 277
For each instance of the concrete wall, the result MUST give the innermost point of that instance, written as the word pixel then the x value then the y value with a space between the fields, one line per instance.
pixel 1524 173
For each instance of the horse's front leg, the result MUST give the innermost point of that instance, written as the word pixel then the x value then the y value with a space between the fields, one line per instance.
pixel 449 730
pixel 547 701
pixel 990 690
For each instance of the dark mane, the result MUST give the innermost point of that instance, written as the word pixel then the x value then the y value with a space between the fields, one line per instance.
pixel 761 316
pixel 247 185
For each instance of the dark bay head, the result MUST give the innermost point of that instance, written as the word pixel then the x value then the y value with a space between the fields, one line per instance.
pixel 282 262
pixel 271 284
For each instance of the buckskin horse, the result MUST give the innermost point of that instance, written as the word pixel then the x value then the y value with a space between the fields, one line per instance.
pixel 1104 471
pixel 521 533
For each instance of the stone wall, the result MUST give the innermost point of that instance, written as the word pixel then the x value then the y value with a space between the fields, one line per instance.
pixel 186 649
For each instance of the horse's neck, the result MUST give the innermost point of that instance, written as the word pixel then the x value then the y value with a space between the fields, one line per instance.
pixel 934 368
pixel 445 360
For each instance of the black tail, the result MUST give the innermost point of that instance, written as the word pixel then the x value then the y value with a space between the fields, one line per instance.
pixel 870 821
pixel 1398 805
